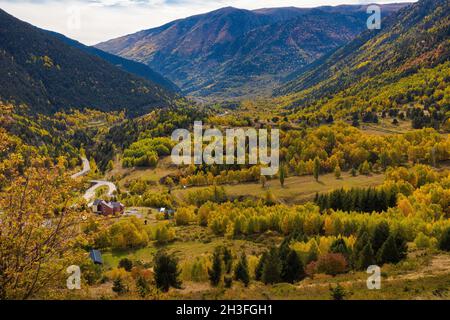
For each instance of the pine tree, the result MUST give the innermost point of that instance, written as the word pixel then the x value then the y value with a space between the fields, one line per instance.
pixel 339 246
pixel 272 268
pixel 316 168
pixel 388 253
pixel 166 271
pixel 215 273
pixel 444 241
pixel 313 253
pixel 366 258
pixel 294 270
pixel 241 271
pixel 260 266
pixel 227 260
pixel 402 246
pixel 119 287
pixel 362 240
pixel 380 235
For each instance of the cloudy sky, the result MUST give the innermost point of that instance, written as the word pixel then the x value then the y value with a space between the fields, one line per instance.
pixel 93 21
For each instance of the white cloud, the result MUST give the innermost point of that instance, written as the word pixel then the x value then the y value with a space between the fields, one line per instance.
pixel 92 21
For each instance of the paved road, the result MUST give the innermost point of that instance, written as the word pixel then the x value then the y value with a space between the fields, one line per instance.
pixel 89 195
pixel 85 171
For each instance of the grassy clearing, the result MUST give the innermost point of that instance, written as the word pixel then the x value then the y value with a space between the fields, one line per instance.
pixel 385 127
pixel 296 189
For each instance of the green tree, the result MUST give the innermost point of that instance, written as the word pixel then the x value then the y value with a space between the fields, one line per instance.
pixel 272 268
pixel 339 246
pixel 126 264
pixel 227 260
pixel 313 253
pixel 388 253
pixel 366 258
pixel 294 270
pixel 241 271
pixel 260 266
pixel 215 272
pixel 444 241
pixel 362 240
pixel 316 168
pixel 166 271
pixel 380 235
pixel 338 293
pixel 119 287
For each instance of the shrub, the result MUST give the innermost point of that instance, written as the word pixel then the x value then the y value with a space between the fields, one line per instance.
pixel 184 216
pixel 164 234
pixel 332 264
pixel 311 269
pixel 126 264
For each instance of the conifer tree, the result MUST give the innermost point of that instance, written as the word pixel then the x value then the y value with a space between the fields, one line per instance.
pixel 380 235
pixel 366 258
pixel 339 246
pixel 444 241
pixel 227 260
pixel 241 271
pixel 294 270
pixel 272 268
pixel 166 271
pixel 316 168
pixel 260 266
pixel 215 272
pixel 388 253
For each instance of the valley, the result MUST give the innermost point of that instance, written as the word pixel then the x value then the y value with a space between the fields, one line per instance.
pixel 87 176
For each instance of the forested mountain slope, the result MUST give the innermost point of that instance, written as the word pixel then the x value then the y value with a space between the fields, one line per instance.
pixel 232 52
pixel 48 75
pixel 406 62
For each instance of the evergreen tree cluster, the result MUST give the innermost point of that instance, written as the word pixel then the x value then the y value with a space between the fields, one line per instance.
pixel 357 199
pixel 222 267
pixel 280 265
pixel 383 246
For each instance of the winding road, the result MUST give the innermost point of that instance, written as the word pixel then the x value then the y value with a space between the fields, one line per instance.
pixel 89 195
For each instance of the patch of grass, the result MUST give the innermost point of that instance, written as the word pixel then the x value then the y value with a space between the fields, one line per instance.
pixel 297 189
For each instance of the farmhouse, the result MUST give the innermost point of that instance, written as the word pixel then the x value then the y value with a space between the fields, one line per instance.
pixel 108 208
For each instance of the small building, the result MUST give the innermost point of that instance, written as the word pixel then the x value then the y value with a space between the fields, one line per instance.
pixel 108 208
pixel 96 257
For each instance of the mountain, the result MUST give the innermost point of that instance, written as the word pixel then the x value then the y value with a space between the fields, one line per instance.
pixel 233 52
pixel 130 66
pixel 48 75
pixel 407 61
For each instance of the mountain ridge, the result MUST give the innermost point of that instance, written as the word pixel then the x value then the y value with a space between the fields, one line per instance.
pixel 220 53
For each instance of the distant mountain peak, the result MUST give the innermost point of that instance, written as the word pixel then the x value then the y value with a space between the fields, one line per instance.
pixel 232 52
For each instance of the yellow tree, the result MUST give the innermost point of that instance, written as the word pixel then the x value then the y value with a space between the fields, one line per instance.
pixel 39 228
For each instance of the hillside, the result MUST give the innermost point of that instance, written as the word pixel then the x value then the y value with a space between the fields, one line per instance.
pixel 130 66
pixel 406 62
pixel 48 75
pixel 232 52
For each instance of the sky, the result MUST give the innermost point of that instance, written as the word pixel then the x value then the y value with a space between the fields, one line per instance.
pixel 94 21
